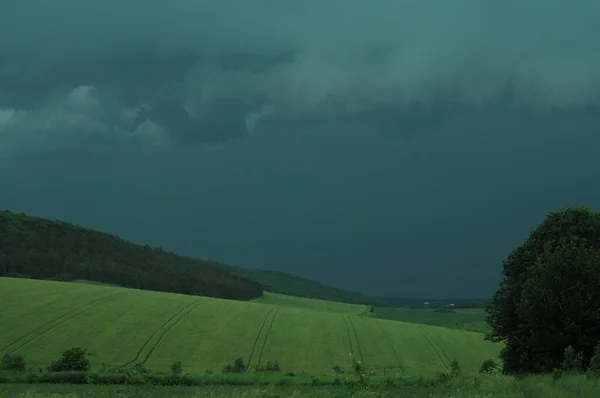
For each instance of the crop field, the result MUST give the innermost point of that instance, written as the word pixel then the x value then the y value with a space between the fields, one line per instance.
pixel 468 319
pixel 313 304
pixel 120 327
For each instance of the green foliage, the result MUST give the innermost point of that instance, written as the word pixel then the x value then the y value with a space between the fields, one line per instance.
pixel 44 249
pixel 572 361
pixel 13 363
pixel 548 297
pixel 337 369
pixel 237 367
pixel 489 366
pixel 72 360
pixel 176 368
pixel 594 367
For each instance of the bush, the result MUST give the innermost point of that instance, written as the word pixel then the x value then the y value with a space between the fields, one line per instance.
pixel 237 367
pixel 572 361
pixel 489 366
pixel 176 368
pixel 454 368
pixel 73 359
pixel 13 363
pixel 337 369
pixel 594 367
pixel 273 367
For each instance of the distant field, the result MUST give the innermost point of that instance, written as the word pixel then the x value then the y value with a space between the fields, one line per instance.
pixel 124 326
pixel 463 319
pixel 313 304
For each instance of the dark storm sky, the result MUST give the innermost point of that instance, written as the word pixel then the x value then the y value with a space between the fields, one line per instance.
pixel 397 148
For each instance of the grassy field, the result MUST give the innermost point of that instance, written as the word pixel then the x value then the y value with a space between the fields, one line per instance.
pixel 487 386
pixel 463 319
pixel 313 304
pixel 122 326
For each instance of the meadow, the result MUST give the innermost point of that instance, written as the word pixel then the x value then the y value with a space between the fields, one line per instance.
pixel 488 386
pixel 462 319
pixel 122 327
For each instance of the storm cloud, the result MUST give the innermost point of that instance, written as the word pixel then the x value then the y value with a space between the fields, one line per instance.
pixel 392 147
pixel 184 72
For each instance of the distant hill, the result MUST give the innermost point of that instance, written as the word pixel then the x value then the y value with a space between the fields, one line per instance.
pixel 44 249
pixel 292 285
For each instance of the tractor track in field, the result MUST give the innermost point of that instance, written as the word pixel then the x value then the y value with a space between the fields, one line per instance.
pixel 165 327
pixel 435 349
pixel 48 326
pixel 272 310
pixel 166 330
pixel 359 348
pixel 350 331
pixel 262 349
pixel 388 339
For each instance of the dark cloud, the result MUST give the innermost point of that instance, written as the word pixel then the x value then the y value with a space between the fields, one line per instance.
pixel 200 71
pixel 391 147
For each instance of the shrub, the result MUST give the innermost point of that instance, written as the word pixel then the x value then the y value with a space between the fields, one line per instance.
pixel 237 367
pixel 337 369
pixel 489 366
pixel 176 368
pixel 594 367
pixel 454 368
pixel 13 363
pixel 572 361
pixel 73 359
pixel 273 367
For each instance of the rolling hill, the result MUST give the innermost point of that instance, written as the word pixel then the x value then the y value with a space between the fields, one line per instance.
pixel 54 250
pixel 293 285
pixel 125 326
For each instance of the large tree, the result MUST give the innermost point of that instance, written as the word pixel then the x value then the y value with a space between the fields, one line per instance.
pixel 549 296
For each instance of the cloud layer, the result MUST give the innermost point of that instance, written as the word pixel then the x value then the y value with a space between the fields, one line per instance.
pixel 185 72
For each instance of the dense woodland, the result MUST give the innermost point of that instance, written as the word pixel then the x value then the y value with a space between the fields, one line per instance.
pixel 44 249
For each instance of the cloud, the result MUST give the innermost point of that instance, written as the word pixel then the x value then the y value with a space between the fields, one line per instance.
pixel 193 71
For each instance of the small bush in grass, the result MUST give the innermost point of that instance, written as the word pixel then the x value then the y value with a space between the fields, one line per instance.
pixel 572 361
pixel 176 368
pixel 273 366
pixel 13 363
pixel 73 359
pixel 337 369
pixel 489 366
pixel 209 371
pixel 237 367
pixel 594 367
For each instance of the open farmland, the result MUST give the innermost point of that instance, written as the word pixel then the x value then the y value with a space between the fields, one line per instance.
pixel 125 326
pixel 313 304
pixel 463 319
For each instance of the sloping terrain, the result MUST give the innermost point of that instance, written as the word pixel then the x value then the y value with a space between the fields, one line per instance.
pixel 125 326
pixel 54 250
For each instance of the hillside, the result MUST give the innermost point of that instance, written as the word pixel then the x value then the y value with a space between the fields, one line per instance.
pixel 45 249
pixel 292 285
pixel 121 327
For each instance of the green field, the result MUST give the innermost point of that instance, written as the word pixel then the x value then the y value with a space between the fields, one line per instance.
pixel 122 326
pixel 463 319
pixel 313 304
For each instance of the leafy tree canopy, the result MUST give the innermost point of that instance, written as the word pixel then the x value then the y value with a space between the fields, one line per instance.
pixel 549 297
